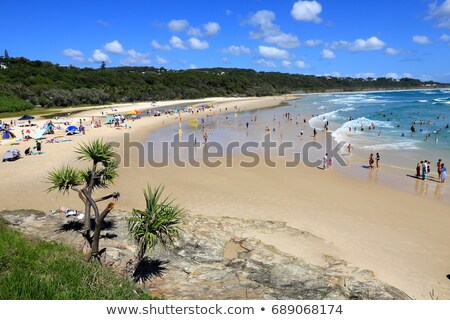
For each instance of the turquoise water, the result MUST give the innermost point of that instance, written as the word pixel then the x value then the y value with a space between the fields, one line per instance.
pixel 393 114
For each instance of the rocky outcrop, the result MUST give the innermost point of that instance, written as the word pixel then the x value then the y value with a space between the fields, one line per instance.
pixel 213 260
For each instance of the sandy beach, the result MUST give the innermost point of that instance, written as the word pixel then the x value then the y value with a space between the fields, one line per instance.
pixel 402 237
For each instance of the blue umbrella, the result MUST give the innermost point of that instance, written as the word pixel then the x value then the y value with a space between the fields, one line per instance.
pixel 71 129
pixel 26 117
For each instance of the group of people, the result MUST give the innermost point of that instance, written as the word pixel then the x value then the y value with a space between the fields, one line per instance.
pixel 375 161
pixel 423 170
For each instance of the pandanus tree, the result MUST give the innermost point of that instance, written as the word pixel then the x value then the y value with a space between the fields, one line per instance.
pixel 100 175
pixel 158 223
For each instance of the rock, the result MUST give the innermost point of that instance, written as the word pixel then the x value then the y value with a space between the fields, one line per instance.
pixel 212 260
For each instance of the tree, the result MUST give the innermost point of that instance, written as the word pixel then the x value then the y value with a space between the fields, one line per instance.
pixel 103 65
pixel 102 173
pixel 158 223
pixel 6 54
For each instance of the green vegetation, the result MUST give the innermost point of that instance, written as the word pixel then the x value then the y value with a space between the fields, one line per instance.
pixel 39 270
pixel 158 223
pixel 100 175
pixel 10 103
pixel 48 85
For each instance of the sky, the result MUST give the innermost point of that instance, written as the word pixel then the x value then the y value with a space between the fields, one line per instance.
pixel 351 38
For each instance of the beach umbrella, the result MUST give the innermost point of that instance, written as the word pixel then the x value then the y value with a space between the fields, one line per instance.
pixel 134 112
pixel 71 129
pixel 26 117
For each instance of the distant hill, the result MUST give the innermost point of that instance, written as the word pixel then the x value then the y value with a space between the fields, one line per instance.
pixel 42 83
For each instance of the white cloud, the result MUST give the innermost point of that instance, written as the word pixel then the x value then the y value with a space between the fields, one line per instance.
pixel 135 57
pixel 266 63
pixel 301 64
pixel 99 56
pixel 283 40
pixel 392 51
pixel 74 54
pixel 286 63
pixel 392 75
pixel 236 50
pixel 177 43
pixel 365 75
pixel 271 32
pixel 307 11
pixel 441 13
pixel 178 25
pixel 328 54
pixel 195 32
pixel 158 46
pixel 103 23
pixel 313 42
pixel 445 37
pixel 114 47
pixel 197 44
pixel 211 28
pixel 421 39
pixel 273 53
pixel 160 60
pixel 192 66
pixel 228 12
pixel 373 43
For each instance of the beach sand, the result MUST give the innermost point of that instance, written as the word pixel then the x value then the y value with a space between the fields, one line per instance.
pixel 403 238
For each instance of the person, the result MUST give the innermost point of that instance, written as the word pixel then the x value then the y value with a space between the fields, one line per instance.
pixel 371 161
pixel 314 132
pixel 325 161
pixel 378 160
pixel 28 151
pixel 424 170
pixel 38 146
pixel 419 165
pixel 438 166
pixel 301 132
pixel 349 148
pixel 205 136
pixel 443 173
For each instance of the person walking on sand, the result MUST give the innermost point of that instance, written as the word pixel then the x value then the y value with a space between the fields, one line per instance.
pixel 325 161
pixel 371 161
pixel 439 168
pixel 378 160
pixel 443 173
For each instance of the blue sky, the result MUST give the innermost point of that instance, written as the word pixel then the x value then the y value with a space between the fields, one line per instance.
pixel 397 38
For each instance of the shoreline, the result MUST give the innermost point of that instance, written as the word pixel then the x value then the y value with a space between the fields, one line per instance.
pixel 346 213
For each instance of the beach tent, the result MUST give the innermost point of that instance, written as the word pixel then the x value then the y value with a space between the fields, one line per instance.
pixel 6 134
pixel 109 119
pixel 11 155
pixel 26 117
pixel 39 134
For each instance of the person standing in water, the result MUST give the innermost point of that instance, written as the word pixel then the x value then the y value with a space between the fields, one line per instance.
pixel 378 160
pixel 371 161
pixel 349 148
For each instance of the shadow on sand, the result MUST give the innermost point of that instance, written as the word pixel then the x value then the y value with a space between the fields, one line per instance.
pixel 149 269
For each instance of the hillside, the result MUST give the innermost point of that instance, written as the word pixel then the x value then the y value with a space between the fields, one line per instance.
pixel 45 84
